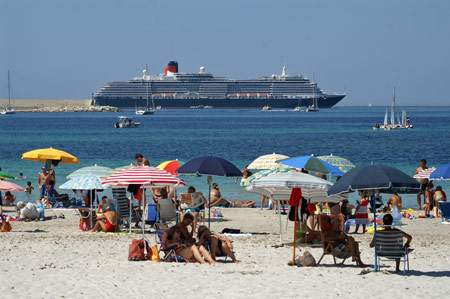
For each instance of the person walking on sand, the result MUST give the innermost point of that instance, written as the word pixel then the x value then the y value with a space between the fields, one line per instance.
pixel 423 182
pixel 362 216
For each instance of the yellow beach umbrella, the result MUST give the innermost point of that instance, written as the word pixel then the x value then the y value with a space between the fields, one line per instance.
pixel 42 155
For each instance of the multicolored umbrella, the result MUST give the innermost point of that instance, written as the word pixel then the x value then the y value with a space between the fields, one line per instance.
pixel 263 173
pixel 424 174
pixel 4 175
pixel 42 155
pixel 7 186
pixel 343 164
pixel 95 170
pixel 142 175
pixel 267 161
pixel 170 166
pixel 84 182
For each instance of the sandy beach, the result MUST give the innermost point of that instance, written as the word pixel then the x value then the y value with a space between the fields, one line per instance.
pixel 54 258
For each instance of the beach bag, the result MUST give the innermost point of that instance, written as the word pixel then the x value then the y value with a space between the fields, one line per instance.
pixel 155 254
pixel 137 250
pixel 291 215
pixel 306 260
pixel 6 226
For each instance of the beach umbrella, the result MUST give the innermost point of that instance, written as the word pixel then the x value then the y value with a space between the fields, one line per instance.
pixel 342 164
pixel 99 171
pixel 4 175
pixel 170 165
pixel 311 163
pixel 84 182
pixel 7 186
pixel 210 166
pixel 441 173
pixel 424 174
pixel 42 155
pixel 313 195
pixel 375 177
pixel 267 161
pixel 145 176
pixel 263 173
pixel 282 183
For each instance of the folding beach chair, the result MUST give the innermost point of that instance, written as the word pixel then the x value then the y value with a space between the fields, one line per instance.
pixel 167 211
pixel 170 254
pixel 390 246
pixel 329 247
pixel 122 206
pixel 445 209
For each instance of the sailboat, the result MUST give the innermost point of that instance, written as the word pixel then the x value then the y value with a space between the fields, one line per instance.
pixel 146 110
pixel 404 124
pixel 8 109
pixel 315 105
pixel 298 108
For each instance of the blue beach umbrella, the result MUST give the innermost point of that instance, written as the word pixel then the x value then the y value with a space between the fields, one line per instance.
pixel 210 166
pixel 441 173
pixel 375 177
pixel 312 163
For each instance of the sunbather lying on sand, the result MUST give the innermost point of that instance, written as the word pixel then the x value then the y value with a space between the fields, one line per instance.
pixel 187 251
pixel 218 245
pixel 347 243
pixel 218 200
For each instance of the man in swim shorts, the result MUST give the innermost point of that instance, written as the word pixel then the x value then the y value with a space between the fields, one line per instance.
pixel 423 182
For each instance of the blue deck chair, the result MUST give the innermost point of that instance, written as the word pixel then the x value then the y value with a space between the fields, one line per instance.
pixel 445 209
pixel 151 214
pixel 170 254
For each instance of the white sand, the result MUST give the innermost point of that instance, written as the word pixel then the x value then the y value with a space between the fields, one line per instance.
pixel 54 259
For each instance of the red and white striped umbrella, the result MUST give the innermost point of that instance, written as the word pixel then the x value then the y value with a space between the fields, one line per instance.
pixel 424 174
pixel 7 186
pixel 142 175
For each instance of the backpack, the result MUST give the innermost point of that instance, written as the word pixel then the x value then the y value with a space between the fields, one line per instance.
pixel 137 250
pixel 5 226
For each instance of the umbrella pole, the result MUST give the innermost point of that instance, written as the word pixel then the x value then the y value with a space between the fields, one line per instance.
pixel 209 197
pixel 142 217
pixel 295 234
pixel 131 209
pixel 375 230
pixel 281 229
pixel 92 211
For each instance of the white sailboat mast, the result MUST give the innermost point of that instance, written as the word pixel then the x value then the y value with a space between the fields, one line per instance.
pixel 386 118
pixel 393 108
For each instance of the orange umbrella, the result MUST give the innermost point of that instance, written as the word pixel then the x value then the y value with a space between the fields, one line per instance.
pixel 170 166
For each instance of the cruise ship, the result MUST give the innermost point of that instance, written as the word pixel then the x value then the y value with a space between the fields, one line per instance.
pixel 184 90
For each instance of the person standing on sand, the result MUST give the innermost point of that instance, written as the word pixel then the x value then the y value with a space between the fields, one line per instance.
pixel 423 182
pixel 43 180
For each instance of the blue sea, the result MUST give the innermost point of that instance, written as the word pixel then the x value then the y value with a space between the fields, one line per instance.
pixel 239 136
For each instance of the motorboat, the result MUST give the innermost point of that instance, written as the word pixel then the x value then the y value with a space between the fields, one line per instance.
pixel 126 122
pixel 266 108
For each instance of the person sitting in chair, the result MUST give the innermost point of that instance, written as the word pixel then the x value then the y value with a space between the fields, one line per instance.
pixel 218 245
pixel 187 251
pixel 107 221
pixel 218 200
pixel 186 236
pixel 387 222
pixel 345 243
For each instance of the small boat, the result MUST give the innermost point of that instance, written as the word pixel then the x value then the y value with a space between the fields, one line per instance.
pixel 403 124
pixel 315 105
pixel 158 107
pixel 266 108
pixel 146 110
pixel 298 108
pixel 126 122
pixel 8 110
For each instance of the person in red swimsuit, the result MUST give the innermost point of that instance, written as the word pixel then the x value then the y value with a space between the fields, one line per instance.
pixel 107 221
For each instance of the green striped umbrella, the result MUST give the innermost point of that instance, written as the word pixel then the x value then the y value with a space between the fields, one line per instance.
pixel 99 171
pixel 339 162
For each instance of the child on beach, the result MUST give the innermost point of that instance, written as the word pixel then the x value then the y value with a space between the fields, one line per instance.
pixel 29 188
pixel 362 217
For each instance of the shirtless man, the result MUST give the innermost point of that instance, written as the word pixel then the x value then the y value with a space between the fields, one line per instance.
pixel 395 201
pixel 424 182
pixel 43 181
pixel 348 243
pixel 141 161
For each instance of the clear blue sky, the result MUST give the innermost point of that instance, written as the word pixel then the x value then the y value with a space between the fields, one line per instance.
pixel 69 49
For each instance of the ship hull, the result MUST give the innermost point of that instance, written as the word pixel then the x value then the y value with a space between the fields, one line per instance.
pixel 327 102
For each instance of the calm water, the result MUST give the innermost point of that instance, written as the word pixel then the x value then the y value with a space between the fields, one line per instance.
pixel 237 135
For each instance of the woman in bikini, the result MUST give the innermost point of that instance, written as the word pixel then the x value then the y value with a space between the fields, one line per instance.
pixel 218 245
pixel 109 217
pixel 218 200
pixel 187 251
